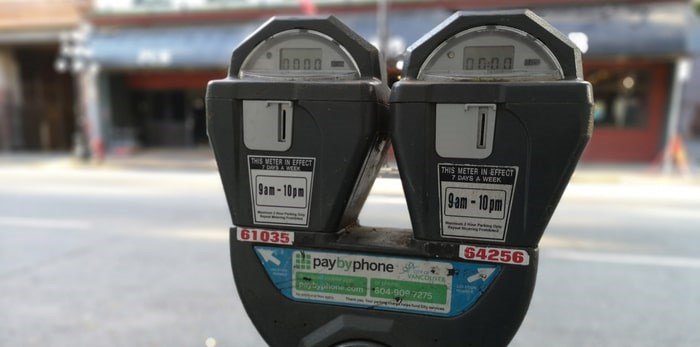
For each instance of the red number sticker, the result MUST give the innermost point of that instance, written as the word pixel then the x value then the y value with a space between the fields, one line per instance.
pixel 494 255
pixel 265 236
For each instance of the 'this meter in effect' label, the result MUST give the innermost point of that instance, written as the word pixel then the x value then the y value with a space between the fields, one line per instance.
pixel 475 201
pixel 281 189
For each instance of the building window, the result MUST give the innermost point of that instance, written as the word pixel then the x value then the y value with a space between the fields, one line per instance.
pixel 621 97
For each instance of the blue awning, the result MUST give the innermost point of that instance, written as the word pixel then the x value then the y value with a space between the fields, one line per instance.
pixel 646 30
pixel 404 27
pixel 211 46
pixel 168 47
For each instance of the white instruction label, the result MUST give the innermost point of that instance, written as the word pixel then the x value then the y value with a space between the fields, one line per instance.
pixel 280 189
pixel 475 200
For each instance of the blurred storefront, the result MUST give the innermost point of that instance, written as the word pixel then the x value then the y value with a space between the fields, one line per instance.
pixel 152 79
pixel 154 62
pixel 638 58
pixel 154 66
pixel 36 101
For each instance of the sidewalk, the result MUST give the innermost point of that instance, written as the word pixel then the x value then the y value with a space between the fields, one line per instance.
pixel 632 173
pixel 201 159
pixel 191 159
pixel 638 173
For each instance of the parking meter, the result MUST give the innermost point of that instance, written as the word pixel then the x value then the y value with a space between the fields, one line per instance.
pixel 299 126
pixel 488 124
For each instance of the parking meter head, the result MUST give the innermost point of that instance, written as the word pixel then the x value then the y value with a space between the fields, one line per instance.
pixel 298 127
pixel 289 37
pixel 488 125
pixel 471 36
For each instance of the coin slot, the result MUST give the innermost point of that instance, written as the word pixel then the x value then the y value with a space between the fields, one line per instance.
pixel 282 124
pixel 481 143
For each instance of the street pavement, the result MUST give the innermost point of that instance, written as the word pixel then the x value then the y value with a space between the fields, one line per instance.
pixel 104 257
pixel 134 252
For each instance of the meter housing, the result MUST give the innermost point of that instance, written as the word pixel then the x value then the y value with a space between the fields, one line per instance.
pixel 298 127
pixel 488 123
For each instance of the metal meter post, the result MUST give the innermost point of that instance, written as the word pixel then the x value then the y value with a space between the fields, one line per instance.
pixel 488 124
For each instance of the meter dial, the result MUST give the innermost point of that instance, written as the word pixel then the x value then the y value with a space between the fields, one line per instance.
pixel 300 55
pixel 491 53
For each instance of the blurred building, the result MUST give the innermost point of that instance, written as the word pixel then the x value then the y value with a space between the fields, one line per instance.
pixel 153 58
pixel 36 101
pixel 156 57
pixel 638 56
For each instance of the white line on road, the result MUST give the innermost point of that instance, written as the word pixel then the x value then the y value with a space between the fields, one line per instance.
pixel 389 200
pixel 627 259
pixel 44 223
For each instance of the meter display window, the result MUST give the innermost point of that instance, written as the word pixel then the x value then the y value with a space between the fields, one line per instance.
pixel 491 53
pixel 305 59
pixel 300 55
pixel 491 58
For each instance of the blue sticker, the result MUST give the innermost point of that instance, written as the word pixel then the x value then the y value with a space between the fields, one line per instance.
pixel 429 287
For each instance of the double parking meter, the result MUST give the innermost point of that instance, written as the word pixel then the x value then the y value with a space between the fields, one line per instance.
pixel 487 123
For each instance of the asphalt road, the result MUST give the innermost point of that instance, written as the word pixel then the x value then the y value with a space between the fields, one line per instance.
pixel 114 257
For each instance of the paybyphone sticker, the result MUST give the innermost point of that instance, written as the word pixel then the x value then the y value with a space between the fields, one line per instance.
pixel 280 189
pixel 475 200
pixel 429 287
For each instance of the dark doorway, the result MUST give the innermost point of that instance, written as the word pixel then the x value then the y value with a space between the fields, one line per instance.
pixel 47 107
pixel 161 115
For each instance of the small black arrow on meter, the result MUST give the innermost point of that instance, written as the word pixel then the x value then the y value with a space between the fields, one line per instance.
pixel 267 256
pixel 482 274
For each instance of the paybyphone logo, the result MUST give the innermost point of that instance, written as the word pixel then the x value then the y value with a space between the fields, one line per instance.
pixel 304 261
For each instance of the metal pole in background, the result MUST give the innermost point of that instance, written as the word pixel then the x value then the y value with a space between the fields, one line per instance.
pixel 672 141
pixel 68 62
pixel 382 26
pixel 75 57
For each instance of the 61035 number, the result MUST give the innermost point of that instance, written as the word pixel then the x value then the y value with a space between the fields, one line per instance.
pixel 265 236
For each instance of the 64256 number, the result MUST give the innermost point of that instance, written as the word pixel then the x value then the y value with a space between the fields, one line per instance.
pixel 494 255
